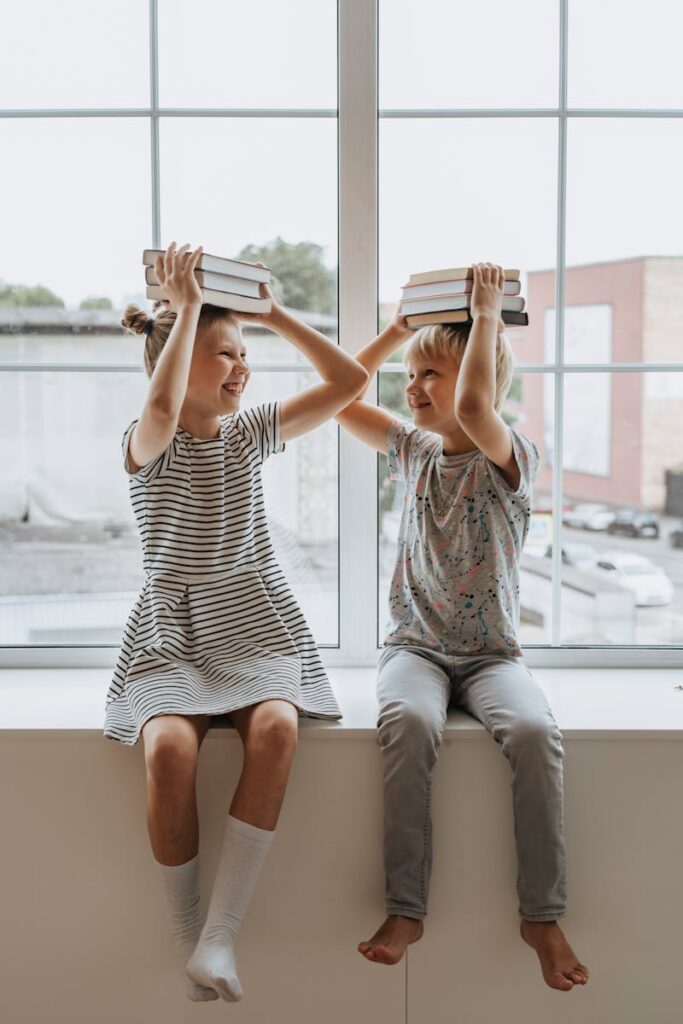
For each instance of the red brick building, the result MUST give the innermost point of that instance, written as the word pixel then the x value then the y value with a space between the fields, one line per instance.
pixel 621 431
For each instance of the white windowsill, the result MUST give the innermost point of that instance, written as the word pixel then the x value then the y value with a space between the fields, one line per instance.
pixel 588 703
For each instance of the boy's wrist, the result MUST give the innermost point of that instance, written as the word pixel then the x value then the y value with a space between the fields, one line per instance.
pixel 486 314
pixel 396 332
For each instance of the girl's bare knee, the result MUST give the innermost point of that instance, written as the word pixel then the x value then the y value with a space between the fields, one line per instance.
pixel 273 728
pixel 171 748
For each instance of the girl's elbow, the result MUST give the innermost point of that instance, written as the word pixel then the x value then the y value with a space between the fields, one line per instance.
pixel 360 379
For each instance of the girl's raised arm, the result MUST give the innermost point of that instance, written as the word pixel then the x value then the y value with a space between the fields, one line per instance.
pixel 159 417
pixel 342 377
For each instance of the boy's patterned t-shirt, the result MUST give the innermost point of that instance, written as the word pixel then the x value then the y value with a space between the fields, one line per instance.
pixel 455 587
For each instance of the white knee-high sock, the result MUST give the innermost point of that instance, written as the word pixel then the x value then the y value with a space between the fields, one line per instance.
pixel 180 883
pixel 242 855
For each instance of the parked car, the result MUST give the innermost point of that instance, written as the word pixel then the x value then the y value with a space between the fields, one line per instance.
pixel 676 537
pixel 649 583
pixel 588 516
pixel 583 556
pixel 633 523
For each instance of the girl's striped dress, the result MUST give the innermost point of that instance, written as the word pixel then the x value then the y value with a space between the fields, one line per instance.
pixel 215 627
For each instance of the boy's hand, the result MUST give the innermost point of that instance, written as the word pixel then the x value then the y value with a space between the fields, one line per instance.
pixel 175 272
pixel 262 318
pixel 399 325
pixel 487 293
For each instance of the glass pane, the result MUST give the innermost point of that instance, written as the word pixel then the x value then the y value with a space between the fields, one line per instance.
pixel 75 53
pixel 267 54
pixel 529 409
pixel 624 226
pixel 283 211
pixel 625 55
pixel 70 556
pixel 438 54
pixel 72 237
pixel 439 210
pixel 622 579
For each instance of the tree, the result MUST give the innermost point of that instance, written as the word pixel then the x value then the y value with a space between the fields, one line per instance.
pixel 28 295
pixel 302 279
pixel 92 302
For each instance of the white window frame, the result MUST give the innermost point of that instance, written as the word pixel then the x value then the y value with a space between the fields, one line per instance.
pixel 358 122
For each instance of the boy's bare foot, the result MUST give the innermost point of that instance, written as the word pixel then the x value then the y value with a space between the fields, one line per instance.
pixel 560 966
pixel 389 943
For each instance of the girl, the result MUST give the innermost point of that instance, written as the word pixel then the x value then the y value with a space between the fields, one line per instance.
pixel 215 629
pixel 454 607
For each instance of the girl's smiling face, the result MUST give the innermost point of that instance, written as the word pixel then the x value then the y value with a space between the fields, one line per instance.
pixel 430 392
pixel 219 371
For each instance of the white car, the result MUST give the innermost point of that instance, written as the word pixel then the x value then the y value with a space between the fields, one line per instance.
pixel 649 583
pixel 588 516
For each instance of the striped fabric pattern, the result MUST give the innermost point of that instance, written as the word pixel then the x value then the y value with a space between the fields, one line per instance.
pixel 215 626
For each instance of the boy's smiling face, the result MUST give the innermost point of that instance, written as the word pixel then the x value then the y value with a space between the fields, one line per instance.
pixel 430 392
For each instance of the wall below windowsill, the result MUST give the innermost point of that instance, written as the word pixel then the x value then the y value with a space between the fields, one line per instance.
pixel 587 703
pixel 76 849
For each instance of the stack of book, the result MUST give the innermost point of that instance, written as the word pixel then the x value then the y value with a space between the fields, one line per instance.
pixel 444 297
pixel 231 284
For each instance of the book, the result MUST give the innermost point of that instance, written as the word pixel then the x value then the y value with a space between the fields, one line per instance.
pixel 462 316
pixel 218 282
pixel 462 287
pixel 454 274
pixel 447 302
pixel 226 300
pixel 218 265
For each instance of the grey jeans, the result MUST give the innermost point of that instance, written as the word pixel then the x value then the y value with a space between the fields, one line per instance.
pixel 415 687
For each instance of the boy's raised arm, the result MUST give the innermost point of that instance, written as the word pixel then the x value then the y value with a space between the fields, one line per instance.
pixel 475 390
pixel 368 422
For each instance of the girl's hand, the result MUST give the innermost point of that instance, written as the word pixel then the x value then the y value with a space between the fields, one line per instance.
pixel 487 293
pixel 175 272
pixel 262 318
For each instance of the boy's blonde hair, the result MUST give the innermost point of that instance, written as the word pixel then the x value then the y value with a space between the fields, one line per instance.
pixel 158 326
pixel 438 341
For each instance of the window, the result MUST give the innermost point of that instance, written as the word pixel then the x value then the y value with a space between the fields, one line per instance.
pixel 189 143
pixel 558 156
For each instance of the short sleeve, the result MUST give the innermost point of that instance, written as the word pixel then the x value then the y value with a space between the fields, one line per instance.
pixel 152 470
pixel 528 461
pixel 262 427
pixel 400 440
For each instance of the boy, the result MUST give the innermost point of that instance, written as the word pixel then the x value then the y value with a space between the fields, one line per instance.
pixel 454 607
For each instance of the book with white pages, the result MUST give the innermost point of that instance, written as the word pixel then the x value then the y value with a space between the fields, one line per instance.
pixel 218 282
pixel 226 300
pixel 462 287
pixel 445 302
pixel 217 265
pixel 455 274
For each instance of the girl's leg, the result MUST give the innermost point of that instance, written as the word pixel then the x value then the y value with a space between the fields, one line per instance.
pixel 269 733
pixel 172 744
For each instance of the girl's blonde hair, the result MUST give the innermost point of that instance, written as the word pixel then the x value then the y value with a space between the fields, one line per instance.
pixel 158 326
pixel 438 341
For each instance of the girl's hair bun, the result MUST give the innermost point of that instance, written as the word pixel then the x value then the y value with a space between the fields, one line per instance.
pixel 136 320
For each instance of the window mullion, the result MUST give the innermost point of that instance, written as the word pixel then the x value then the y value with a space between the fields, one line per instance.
pixel 357 320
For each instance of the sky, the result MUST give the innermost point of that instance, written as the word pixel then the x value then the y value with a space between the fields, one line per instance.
pixel 75 193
